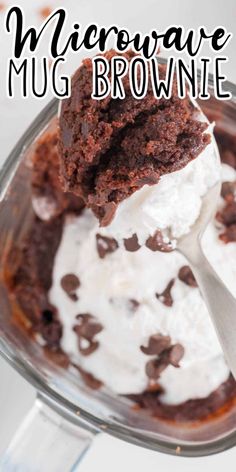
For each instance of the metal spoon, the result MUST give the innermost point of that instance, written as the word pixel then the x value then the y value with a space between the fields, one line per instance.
pixel 220 302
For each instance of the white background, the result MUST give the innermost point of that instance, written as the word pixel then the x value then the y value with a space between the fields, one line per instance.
pixel 16 396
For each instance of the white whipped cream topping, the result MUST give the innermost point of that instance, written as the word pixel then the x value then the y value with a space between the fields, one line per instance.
pixel 174 203
pixel 108 284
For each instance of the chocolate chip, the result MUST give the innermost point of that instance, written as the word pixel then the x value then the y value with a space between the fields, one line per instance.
pixel 109 211
pixel 131 244
pixel 176 353
pixel 165 297
pixel 86 330
pixel 69 283
pixel 105 245
pixel 228 191
pixel 134 304
pixel 155 367
pixel 227 215
pixel 157 243
pixel 229 235
pixel 172 355
pixel 88 327
pixel 185 275
pixel 156 344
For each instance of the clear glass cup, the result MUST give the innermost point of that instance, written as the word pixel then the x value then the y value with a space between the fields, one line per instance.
pixel 67 414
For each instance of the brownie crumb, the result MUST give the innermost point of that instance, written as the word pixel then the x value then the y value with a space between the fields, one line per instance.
pixel 107 213
pixel 165 297
pixel 157 243
pixel 186 275
pixel 131 244
pixel 105 245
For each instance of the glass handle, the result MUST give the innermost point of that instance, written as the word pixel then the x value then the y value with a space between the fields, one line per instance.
pixel 46 441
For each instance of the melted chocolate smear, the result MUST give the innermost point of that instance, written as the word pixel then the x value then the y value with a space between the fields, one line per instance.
pixel 156 344
pixel 105 245
pixel 132 244
pixel 86 330
pixel 157 243
pixel 57 356
pixel 70 283
pixel 89 378
pixel 165 297
pixel 185 275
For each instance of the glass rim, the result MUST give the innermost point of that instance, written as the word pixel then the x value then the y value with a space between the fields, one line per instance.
pixel 59 403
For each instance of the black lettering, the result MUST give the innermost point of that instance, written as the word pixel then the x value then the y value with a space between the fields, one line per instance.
pixel 66 91
pixel 119 67
pixel 21 68
pixel 219 93
pixel 101 84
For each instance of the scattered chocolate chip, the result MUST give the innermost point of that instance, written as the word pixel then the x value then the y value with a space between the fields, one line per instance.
pixel 109 212
pixel 52 333
pixel 105 245
pixel 131 244
pixel 86 330
pixel 70 283
pixel 134 304
pixel 229 235
pixel 176 353
pixel 165 297
pixel 227 215
pixel 155 367
pixel 171 355
pixel 185 275
pixel 228 191
pixel 88 327
pixel 156 344
pixel 157 243
pixel 88 378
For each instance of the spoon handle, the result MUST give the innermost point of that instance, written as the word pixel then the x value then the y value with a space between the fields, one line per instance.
pixel 220 302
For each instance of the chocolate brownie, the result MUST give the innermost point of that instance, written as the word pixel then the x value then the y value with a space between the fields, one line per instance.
pixel 110 148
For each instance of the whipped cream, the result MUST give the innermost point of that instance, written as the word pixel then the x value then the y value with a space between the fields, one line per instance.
pixel 108 285
pixel 174 203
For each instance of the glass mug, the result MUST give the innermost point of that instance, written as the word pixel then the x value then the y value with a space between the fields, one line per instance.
pixel 67 414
